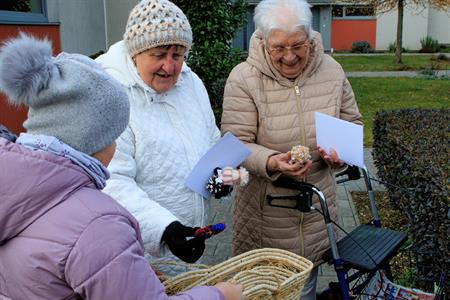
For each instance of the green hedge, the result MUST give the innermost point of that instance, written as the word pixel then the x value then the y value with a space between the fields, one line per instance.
pixel 411 152
pixel 214 24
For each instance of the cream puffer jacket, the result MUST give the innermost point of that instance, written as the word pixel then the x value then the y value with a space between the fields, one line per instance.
pixel 168 133
pixel 271 114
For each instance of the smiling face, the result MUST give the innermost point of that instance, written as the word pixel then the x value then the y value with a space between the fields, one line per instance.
pixel 289 51
pixel 160 67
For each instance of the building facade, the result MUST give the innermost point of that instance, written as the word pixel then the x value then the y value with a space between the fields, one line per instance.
pixel 342 24
pixel 80 26
pixel 90 26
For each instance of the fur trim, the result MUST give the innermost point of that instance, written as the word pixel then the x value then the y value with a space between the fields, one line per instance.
pixel 26 66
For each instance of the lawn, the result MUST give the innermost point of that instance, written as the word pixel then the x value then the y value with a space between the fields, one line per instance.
pixel 385 63
pixel 373 94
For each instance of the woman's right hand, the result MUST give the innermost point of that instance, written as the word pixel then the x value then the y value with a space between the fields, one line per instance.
pixel 230 291
pixel 281 163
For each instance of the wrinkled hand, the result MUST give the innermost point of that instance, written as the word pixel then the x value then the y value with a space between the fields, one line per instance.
pixel 331 159
pixel 281 163
pixel 231 176
pixel 230 291
pixel 159 274
pixel 188 250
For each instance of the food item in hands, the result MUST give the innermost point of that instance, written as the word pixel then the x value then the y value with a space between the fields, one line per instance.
pixel 299 154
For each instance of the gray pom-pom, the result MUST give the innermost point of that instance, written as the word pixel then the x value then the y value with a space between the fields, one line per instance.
pixel 26 65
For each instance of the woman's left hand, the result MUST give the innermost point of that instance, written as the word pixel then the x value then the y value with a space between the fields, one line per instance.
pixel 331 159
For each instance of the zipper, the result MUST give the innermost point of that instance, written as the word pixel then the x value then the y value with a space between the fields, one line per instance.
pixel 300 116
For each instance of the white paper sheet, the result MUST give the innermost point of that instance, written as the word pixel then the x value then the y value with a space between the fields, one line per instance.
pixel 227 152
pixel 344 137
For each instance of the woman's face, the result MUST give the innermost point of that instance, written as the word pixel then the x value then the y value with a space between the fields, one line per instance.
pixel 289 51
pixel 160 67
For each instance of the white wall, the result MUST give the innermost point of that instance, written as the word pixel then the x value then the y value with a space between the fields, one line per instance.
pixel 82 26
pixel 439 25
pixel 415 27
pixel 117 14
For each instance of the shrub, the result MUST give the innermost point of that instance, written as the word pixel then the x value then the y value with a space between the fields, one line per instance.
pixel 440 57
pixel 392 46
pixel 361 47
pixel 216 98
pixel 411 154
pixel 429 45
pixel 214 23
pixel 444 48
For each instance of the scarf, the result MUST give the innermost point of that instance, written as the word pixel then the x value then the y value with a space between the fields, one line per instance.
pixel 94 168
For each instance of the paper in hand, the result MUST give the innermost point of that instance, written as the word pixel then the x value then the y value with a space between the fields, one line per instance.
pixel 344 137
pixel 227 152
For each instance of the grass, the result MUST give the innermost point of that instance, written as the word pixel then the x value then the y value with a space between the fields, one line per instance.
pixel 385 63
pixel 373 94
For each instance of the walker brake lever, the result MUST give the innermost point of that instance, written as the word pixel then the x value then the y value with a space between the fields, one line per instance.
pixel 303 200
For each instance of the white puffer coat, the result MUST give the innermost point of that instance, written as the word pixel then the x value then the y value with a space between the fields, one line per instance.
pixel 167 135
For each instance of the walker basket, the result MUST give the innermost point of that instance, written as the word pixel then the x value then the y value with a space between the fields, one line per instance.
pixel 264 273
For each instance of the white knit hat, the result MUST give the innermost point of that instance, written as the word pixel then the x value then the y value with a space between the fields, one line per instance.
pixel 154 23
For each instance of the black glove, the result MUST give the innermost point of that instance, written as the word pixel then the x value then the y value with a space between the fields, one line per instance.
pixel 186 250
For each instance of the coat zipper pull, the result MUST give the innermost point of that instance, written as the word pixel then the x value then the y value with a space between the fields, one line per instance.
pixel 297 90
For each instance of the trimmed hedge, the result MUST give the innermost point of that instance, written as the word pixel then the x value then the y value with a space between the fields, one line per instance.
pixel 411 152
pixel 212 56
pixel 361 47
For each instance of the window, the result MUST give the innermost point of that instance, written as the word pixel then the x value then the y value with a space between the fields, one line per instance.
pixel 23 11
pixel 242 37
pixel 353 11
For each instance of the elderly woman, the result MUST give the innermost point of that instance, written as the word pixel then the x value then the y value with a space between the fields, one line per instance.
pixel 171 126
pixel 269 103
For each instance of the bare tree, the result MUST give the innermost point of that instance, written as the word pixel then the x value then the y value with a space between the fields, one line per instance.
pixel 15 5
pixel 381 6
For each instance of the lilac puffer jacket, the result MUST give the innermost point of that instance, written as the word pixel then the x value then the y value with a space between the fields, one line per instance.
pixel 61 238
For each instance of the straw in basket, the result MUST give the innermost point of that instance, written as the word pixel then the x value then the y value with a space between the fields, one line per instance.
pixel 265 274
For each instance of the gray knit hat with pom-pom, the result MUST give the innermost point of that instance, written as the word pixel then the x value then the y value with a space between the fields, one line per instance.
pixel 69 96
pixel 154 23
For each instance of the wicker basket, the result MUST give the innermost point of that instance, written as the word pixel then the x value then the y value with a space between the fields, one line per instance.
pixel 265 274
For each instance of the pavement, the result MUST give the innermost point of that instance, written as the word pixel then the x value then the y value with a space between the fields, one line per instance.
pixel 437 73
pixel 218 248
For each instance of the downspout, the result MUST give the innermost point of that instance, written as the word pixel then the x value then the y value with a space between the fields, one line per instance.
pixel 105 18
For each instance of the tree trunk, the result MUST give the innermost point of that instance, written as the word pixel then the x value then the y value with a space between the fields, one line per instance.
pixel 398 43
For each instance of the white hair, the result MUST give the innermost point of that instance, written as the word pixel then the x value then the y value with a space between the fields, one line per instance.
pixel 286 15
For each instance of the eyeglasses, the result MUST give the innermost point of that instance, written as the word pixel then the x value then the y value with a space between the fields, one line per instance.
pixel 299 50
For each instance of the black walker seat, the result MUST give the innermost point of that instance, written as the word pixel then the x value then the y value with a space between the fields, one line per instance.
pixel 373 248
pixel 367 247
